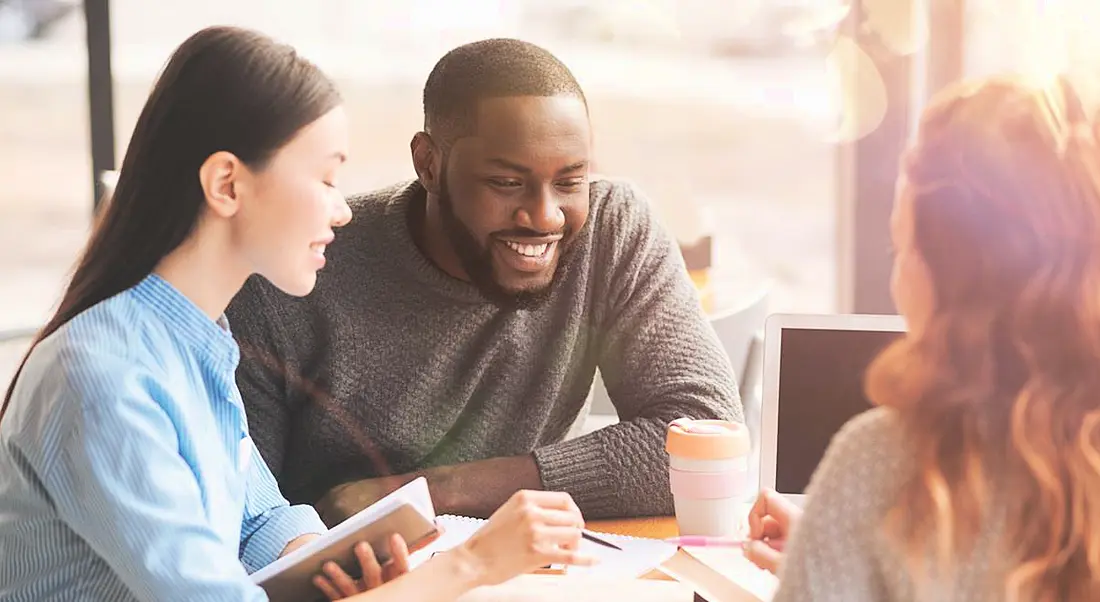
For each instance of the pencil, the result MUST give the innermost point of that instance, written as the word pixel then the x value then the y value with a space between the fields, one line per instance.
pixel 592 537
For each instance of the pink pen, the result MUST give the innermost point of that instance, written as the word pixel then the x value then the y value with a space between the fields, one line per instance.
pixel 702 541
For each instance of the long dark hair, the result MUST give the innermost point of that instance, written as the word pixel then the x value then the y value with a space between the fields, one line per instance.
pixel 223 89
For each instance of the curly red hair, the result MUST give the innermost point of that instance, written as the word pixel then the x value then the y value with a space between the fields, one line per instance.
pixel 1000 387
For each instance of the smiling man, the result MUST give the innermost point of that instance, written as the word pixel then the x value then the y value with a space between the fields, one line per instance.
pixel 457 328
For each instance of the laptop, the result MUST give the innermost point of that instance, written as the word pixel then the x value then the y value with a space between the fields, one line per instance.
pixel 813 384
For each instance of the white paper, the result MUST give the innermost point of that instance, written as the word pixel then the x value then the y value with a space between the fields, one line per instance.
pixel 638 556
pixel 548 588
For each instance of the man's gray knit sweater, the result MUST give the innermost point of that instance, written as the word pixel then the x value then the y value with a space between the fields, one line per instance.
pixel 392 366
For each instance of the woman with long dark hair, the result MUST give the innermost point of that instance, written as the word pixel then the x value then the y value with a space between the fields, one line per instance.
pixel 978 477
pixel 126 469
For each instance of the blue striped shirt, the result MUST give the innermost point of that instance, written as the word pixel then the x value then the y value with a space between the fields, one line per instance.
pixel 126 469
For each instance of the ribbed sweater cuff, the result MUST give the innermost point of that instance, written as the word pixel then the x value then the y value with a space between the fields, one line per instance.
pixel 579 467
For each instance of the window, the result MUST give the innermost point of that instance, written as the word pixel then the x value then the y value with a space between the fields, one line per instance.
pixel 723 125
pixel 1036 36
pixel 44 149
pixel 722 121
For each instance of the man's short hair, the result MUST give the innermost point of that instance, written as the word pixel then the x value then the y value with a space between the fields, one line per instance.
pixel 494 68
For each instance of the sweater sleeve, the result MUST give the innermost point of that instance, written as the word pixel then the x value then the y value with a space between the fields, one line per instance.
pixel 660 360
pixel 835 552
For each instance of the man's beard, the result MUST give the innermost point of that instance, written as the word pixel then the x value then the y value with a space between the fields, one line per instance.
pixel 477 259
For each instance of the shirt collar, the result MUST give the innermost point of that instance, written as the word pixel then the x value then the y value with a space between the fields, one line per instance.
pixel 209 338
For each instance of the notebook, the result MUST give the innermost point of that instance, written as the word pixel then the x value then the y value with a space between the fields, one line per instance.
pixel 638 556
pixel 408 512
pixel 721 575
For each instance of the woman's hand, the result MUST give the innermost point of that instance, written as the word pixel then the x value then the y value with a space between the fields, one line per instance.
pixel 770 523
pixel 531 530
pixel 336 584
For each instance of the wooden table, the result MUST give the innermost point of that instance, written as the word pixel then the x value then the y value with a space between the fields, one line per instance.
pixel 657 527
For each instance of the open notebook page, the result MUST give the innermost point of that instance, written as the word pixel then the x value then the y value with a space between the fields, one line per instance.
pixel 638 556
pixel 721 575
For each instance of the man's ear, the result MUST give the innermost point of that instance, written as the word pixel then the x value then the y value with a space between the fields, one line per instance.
pixel 218 176
pixel 427 161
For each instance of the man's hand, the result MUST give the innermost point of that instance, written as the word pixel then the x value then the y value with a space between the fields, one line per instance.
pixel 771 521
pixel 472 489
pixel 343 501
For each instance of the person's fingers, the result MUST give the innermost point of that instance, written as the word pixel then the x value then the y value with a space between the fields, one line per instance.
pixel 399 559
pixel 557 537
pixel 770 505
pixel 572 544
pixel 571 558
pixel 771 529
pixel 555 500
pixel 779 507
pixel 779 545
pixel 557 518
pixel 763 556
pixel 756 515
pixel 326 588
pixel 372 571
pixel 341 580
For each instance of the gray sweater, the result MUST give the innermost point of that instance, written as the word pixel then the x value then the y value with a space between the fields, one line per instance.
pixel 392 366
pixel 839 551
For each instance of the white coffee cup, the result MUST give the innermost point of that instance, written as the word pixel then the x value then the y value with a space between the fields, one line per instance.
pixel 709 475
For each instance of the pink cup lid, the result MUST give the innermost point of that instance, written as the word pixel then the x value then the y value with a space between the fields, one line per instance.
pixel 707 439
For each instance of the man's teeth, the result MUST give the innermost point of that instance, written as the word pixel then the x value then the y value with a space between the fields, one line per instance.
pixel 528 250
pixel 318 247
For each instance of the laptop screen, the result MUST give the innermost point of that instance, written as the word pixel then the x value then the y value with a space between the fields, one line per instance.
pixel 820 388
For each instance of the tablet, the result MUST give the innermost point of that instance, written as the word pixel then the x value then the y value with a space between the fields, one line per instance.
pixel 406 512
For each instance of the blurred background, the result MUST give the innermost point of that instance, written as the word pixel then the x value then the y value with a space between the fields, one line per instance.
pixel 765 131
